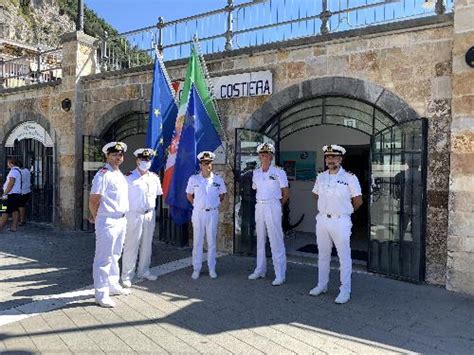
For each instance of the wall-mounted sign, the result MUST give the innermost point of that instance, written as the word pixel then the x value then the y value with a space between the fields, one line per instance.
pixel 243 85
pixel 236 86
pixel 29 130
pixel 221 156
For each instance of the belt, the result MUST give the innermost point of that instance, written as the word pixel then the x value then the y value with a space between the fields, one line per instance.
pixel 112 215
pixel 211 209
pixel 268 201
pixel 142 212
pixel 333 216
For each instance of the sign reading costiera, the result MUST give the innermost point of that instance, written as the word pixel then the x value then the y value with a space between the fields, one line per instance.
pixel 243 85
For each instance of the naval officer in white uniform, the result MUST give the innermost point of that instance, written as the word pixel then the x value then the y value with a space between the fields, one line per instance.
pixel 108 203
pixel 338 194
pixel 143 188
pixel 205 191
pixel 271 184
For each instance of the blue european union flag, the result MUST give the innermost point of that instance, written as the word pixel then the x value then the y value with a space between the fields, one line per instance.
pixel 198 134
pixel 162 115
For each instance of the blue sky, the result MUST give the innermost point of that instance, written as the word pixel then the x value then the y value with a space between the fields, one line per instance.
pixel 127 15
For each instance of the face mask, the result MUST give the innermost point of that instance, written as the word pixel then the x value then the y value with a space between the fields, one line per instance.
pixel 145 165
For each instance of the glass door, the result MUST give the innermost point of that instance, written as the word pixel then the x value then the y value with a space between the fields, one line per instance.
pixel 397 210
pixel 246 160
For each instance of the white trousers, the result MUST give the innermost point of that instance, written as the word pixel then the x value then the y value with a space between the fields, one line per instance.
pixel 204 224
pixel 110 234
pixel 138 244
pixel 268 219
pixel 337 231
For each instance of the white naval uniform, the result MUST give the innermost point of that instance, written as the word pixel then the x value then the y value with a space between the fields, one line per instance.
pixel 268 215
pixel 110 226
pixel 142 192
pixel 205 216
pixel 333 223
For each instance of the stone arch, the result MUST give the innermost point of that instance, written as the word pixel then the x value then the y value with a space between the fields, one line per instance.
pixel 117 112
pixel 354 88
pixel 24 116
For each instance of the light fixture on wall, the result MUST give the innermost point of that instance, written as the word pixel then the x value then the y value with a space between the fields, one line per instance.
pixel 66 104
pixel 470 57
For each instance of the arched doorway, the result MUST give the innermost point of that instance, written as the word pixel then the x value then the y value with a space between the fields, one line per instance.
pixel 387 156
pixel 33 147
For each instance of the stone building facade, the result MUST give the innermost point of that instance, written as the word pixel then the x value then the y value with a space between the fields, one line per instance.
pixel 408 70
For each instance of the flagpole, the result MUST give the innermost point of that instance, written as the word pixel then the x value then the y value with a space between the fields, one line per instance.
pixel 209 85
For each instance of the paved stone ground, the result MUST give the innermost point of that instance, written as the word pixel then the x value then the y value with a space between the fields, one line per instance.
pixel 233 315
pixel 38 260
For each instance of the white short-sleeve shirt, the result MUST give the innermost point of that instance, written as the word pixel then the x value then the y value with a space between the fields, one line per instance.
pixel 16 174
pixel 112 186
pixel 335 192
pixel 206 191
pixel 26 175
pixel 269 184
pixel 142 190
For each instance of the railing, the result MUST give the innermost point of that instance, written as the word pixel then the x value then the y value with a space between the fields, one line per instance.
pixel 254 23
pixel 27 70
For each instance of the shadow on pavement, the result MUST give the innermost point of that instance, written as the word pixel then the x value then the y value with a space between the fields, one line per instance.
pixel 40 260
pixel 385 314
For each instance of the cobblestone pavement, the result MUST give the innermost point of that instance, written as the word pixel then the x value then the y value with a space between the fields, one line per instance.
pixel 234 315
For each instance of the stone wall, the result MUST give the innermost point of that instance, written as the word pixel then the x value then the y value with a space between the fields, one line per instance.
pixel 42 105
pixel 460 276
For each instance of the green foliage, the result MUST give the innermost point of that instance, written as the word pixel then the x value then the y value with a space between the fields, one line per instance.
pixel 124 55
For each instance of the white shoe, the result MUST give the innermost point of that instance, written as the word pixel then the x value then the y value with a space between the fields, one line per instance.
pixel 318 290
pixel 149 276
pixel 127 283
pixel 278 282
pixel 212 274
pixel 343 297
pixel 256 275
pixel 106 302
pixel 119 290
pixel 195 275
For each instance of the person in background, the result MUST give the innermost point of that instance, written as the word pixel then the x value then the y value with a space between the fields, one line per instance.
pixel 25 194
pixel 12 194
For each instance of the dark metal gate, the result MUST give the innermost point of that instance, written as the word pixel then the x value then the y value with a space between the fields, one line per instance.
pixel 39 159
